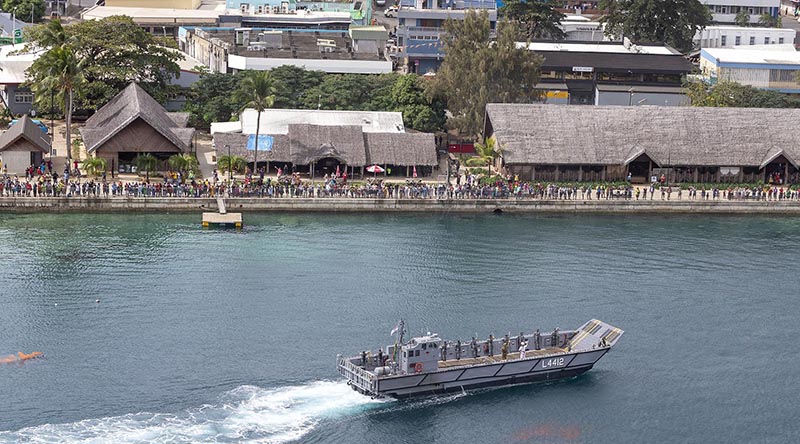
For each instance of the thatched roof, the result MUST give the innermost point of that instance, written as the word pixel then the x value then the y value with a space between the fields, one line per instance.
pixel 130 104
pixel 309 143
pixel 616 135
pixel 238 143
pixel 347 143
pixel 401 148
pixel 25 129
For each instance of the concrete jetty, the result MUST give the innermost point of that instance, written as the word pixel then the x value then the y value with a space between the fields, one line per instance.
pixel 161 204
pixel 222 218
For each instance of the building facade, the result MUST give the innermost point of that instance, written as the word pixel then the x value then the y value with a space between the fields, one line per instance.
pixel 718 36
pixel 774 67
pixel 611 73
pixel 603 143
pixel 724 11
pixel 358 50
pixel 420 25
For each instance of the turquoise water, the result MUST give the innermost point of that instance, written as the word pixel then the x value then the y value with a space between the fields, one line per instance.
pixel 225 336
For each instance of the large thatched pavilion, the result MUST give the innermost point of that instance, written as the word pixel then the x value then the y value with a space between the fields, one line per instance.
pixel 321 149
pixel 133 123
pixel 688 144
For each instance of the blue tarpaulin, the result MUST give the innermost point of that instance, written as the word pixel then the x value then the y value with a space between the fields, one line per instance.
pixel 264 143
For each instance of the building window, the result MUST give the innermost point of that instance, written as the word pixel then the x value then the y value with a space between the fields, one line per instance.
pixel 766 40
pixel 23 97
pixel 724 40
pixel 780 40
pixel 752 40
pixel 737 41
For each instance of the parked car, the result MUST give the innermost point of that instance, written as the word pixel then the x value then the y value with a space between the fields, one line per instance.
pixel 380 2
pixel 391 11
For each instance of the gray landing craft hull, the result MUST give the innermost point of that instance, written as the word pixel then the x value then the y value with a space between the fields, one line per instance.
pixel 502 373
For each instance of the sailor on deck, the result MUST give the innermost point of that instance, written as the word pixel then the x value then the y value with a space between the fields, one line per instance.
pixel 523 349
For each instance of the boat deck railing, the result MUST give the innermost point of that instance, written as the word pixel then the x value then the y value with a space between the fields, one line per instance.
pixel 362 379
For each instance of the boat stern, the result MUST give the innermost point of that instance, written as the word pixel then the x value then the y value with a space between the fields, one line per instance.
pixel 360 379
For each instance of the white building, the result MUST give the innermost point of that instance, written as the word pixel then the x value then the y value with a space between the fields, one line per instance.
pixel 731 36
pixel 724 11
pixel 773 67
pixel 277 121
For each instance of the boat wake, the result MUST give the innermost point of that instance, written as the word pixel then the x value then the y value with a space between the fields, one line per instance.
pixel 246 413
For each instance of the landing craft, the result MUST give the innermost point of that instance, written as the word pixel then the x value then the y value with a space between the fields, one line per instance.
pixel 20 357
pixel 428 365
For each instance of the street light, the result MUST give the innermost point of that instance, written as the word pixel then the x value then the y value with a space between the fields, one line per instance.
pixel 230 167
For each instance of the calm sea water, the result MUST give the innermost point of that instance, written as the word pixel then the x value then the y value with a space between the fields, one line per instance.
pixel 224 336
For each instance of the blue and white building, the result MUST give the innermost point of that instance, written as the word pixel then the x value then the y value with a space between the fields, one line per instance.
pixel 724 11
pixel 773 67
pixel 421 23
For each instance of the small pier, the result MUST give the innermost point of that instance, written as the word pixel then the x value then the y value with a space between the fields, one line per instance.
pixel 222 218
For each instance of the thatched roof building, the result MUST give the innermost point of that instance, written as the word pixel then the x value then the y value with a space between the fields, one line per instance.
pixel 696 138
pixel 133 122
pixel 23 145
pixel 350 145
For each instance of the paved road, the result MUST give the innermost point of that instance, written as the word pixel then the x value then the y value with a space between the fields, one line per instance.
pixel 790 22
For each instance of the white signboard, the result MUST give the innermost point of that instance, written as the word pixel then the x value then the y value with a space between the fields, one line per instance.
pixel 582 69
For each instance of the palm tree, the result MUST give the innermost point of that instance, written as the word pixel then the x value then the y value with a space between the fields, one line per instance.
pixel 93 165
pixel 53 35
pixel 65 72
pixel 487 152
pixel 146 162
pixel 257 91
pixel 183 162
pixel 232 163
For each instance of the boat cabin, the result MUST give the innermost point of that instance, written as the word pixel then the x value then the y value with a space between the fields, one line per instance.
pixel 421 354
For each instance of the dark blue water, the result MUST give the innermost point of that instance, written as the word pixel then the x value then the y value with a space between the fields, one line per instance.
pixel 223 336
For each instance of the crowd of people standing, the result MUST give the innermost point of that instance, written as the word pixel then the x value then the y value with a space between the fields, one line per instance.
pixel 41 181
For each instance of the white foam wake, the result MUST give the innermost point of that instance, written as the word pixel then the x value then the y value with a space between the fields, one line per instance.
pixel 246 414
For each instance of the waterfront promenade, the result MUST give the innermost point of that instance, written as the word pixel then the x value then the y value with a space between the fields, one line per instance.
pixel 399 205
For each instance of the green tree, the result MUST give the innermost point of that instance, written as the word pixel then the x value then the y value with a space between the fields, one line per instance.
pixel 292 83
pixel 487 151
pixel 478 71
pixel 766 19
pixel 184 163
pixel 116 52
pixel 731 94
pixel 94 165
pixel 147 163
pixel 210 99
pixel 257 91
pixel 59 69
pixel 535 19
pixel 231 163
pixel 742 18
pixel 22 9
pixel 674 22
pixel 407 95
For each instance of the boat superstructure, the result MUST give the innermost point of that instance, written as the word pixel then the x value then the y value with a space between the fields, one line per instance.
pixel 428 364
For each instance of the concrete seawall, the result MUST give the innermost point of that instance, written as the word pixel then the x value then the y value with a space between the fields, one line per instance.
pixel 164 204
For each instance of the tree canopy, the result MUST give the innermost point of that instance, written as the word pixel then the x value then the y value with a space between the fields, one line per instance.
pixel 732 94
pixel 115 52
pixel 674 22
pixel 22 9
pixel 534 19
pixel 478 70
pixel 295 88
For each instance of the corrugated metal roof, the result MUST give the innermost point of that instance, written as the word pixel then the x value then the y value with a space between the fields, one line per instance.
pixel 277 121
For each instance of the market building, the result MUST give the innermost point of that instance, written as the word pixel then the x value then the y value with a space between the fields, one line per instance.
pixel 133 123
pixel 318 142
pixel 606 143
pixel 611 73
